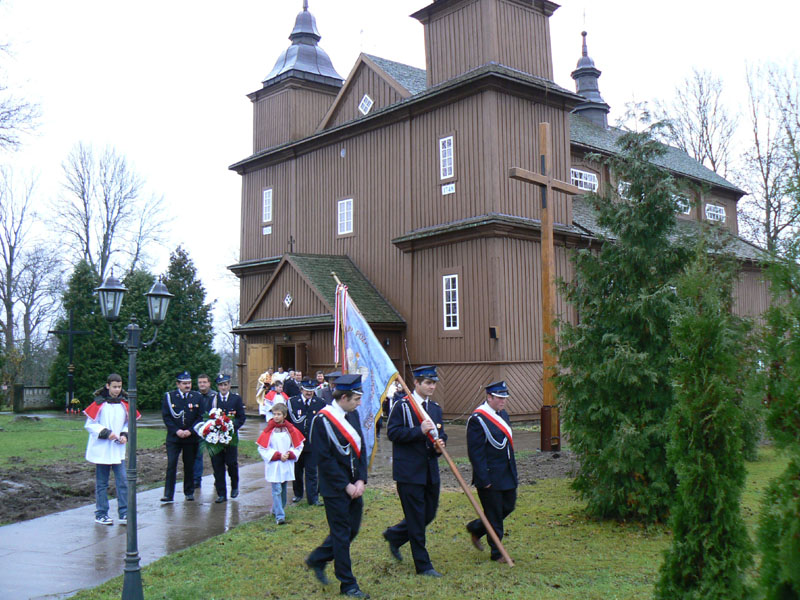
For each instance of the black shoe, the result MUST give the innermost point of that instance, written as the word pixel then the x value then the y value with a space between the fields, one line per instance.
pixel 297 499
pixel 189 497
pixel 166 499
pixel 316 503
pixel 355 593
pixel 319 572
pixel 431 573
pixel 220 500
pixel 235 493
pixel 393 550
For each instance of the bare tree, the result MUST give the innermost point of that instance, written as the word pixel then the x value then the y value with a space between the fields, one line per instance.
pixel 17 116
pixel 104 212
pixel 771 212
pixel 228 318
pixel 699 123
pixel 29 279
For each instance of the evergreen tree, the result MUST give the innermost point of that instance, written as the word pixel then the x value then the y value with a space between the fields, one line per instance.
pixel 94 356
pixel 185 340
pixel 779 527
pixel 614 382
pixel 710 547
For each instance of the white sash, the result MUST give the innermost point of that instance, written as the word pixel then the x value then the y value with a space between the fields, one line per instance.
pixel 336 414
pixel 496 420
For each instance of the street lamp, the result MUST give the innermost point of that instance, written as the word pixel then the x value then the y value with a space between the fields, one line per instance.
pixel 111 294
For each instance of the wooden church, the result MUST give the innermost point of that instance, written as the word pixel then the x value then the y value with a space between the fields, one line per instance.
pixel 396 179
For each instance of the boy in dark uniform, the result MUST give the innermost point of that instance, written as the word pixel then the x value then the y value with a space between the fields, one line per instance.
pixel 181 410
pixel 490 446
pixel 302 409
pixel 232 405
pixel 415 468
pixel 337 445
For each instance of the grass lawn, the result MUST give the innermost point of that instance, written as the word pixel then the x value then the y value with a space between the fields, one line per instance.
pixel 559 553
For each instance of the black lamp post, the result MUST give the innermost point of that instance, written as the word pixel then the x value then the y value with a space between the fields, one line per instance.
pixel 111 293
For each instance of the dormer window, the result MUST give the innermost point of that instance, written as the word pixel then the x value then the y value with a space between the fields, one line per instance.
pixel 585 180
pixel 715 212
pixel 684 206
pixel 365 105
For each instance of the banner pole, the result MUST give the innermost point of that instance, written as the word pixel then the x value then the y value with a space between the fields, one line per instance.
pixel 454 468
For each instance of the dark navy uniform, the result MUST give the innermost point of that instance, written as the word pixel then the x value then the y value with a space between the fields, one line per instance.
pixel 290 387
pixel 494 470
pixel 301 414
pixel 232 405
pixel 205 404
pixel 415 468
pixel 339 466
pixel 180 411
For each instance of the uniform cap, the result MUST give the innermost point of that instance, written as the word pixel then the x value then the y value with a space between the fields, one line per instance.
pixel 222 377
pixel 348 383
pixel 307 384
pixel 184 376
pixel 427 372
pixel 498 388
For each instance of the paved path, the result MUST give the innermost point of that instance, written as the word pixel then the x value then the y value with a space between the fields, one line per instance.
pixel 59 554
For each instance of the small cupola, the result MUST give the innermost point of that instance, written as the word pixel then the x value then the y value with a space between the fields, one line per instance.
pixel 586 75
pixel 304 59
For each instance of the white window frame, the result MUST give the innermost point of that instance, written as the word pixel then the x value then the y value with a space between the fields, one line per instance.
pixel 715 212
pixel 365 105
pixel 684 206
pixel 584 180
pixel 344 216
pixel 447 157
pixel 450 303
pixel 266 205
pixel 624 189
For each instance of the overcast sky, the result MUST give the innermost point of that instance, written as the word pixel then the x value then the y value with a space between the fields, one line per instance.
pixel 164 81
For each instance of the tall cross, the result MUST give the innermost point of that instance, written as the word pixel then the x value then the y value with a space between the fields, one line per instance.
pixel 547 184
pixel 291 243
pixel 70 333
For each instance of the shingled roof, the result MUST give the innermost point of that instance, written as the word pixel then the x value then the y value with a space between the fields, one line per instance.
pixel 585 217
pixel 413 79
pixel 585 133
pixel 317 268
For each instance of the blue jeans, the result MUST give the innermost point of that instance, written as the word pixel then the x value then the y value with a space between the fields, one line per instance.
pixel 278 500
pixel 101 489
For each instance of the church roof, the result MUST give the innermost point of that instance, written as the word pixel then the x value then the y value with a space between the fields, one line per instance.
pixel 585 133
pixel 585 217
pixel 411 78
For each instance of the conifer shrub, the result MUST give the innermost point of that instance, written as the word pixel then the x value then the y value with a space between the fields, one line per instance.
pixel 614 386
pixel 779 521
pixel 710 548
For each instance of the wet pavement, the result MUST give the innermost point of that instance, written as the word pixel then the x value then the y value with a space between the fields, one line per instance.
pixel 57 555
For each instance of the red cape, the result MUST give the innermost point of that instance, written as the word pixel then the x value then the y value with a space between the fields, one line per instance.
pixel 297 437
pixel 93 409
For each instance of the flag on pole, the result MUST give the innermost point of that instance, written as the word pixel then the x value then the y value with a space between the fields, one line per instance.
pixel 359 352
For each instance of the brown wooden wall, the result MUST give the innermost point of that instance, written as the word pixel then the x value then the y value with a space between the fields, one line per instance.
pixel 304 302
pixel 250 287
pixel 518 142
pixel 475 33
pixel 255 245
pixel 529 29
pixel 365 81
pixel 291 113
pixel 751 293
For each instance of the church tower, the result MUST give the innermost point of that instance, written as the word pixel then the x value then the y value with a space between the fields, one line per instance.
pixel 586 75
pixel 298 91
pixel 462 35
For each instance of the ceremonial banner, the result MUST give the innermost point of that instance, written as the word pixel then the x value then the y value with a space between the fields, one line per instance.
pixel 361 353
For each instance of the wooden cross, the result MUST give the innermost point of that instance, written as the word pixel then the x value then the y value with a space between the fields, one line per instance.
pixel 550 429
pixel 70 333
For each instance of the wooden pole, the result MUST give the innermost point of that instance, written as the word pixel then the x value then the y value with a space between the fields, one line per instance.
pixel 454 468
pixel 550 436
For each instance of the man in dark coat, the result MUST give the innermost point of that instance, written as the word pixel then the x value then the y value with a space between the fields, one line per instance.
pixel 291 387
pixel 181 410
pixel 207 396
pixel 338 448
pixel 232 405
pixel 490 446
pixel 302 409
pixel 415 467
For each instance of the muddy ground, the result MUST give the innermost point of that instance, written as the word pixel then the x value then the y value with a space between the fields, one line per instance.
pixel 31 492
